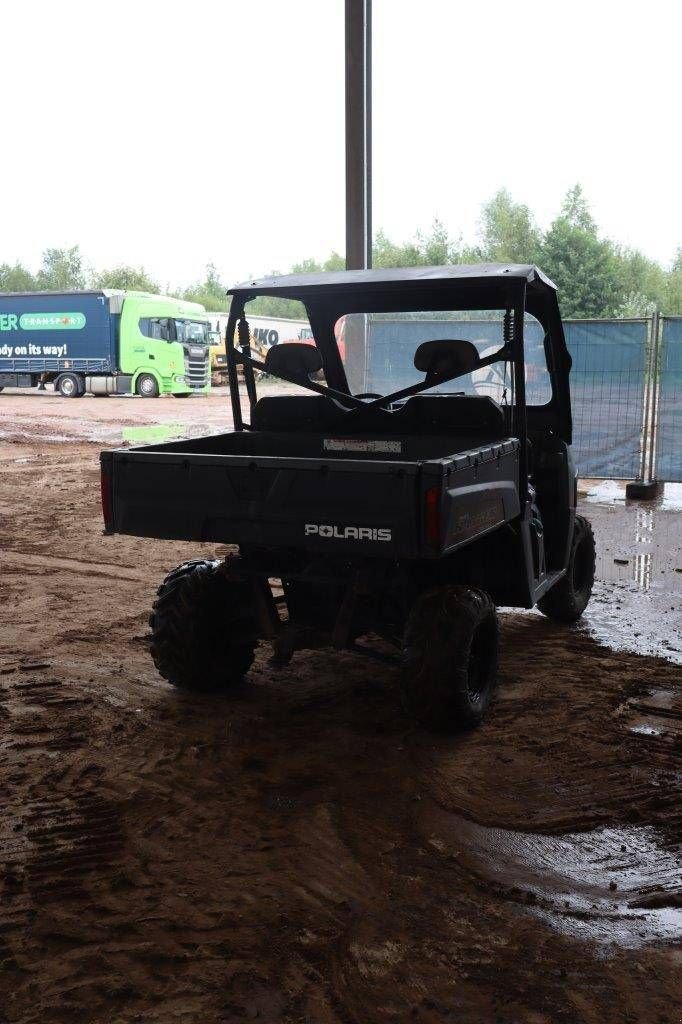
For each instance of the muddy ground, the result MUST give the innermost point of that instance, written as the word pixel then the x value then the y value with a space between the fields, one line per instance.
pixel 298 852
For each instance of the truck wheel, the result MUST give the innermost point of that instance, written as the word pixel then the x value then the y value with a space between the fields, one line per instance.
pixel 204 628
pixel 450 658
pixel 69 385
pixel 568 598
pixel 182 394
pixel 147 386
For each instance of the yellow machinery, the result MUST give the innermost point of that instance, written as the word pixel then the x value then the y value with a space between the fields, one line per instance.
pixel 219 359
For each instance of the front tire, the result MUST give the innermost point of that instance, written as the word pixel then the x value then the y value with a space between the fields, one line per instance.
pixel 450 658
pixel 568 599
pixel 204 627
pixel 147 386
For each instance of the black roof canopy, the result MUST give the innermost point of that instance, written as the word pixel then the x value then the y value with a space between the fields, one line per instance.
pixel 495 276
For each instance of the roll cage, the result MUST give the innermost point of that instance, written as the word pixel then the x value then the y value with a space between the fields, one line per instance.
pixel 514 289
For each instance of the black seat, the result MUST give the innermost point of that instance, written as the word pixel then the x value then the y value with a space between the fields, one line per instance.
pixel 292 412
pixel 458 414
pixel 293 359
pixel 471 415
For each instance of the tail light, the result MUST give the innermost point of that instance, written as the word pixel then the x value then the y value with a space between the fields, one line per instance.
pixel 107 497
pixel 432 502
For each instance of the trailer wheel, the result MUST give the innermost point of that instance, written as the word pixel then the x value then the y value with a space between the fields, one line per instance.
pixel 147 386
pixel 450 658
pixel 69 385
pixel 567 599
pixel 204 627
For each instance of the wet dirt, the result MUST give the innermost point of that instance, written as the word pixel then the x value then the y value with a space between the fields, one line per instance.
pixel 298 851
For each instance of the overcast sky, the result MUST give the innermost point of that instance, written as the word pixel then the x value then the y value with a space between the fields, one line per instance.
pixel 173 134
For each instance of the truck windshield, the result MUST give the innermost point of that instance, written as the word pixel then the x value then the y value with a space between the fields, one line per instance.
pixel 192 331
pixel 377 350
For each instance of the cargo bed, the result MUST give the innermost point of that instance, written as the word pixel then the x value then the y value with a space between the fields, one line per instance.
pixel 344 495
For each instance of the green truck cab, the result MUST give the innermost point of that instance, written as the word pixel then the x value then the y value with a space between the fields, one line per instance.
pixel 163 345
pixel 105 342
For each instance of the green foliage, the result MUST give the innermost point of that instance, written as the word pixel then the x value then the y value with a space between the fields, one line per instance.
pixel 16 278
pixel 595 277
pixel 273 305
pixel 434 249
pixel 575 210
pixel 508 231
pixel 210 292
pixel 62 270
pixel 333 262
pixel 673 287
pixel 584 268
pixel 134 279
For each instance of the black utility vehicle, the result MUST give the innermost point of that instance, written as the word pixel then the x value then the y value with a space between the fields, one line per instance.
pixel 427 479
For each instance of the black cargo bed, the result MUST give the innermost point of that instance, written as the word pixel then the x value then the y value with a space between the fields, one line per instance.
pixel 225 488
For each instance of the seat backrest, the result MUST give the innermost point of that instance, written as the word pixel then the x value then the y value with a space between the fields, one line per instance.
pixel 470 415
pixel 457 414
pixel 290 412
pixel 293 359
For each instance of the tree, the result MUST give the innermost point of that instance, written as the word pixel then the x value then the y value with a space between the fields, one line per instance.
pixel 584 267
pixel 576 211
pixel 672 303
pixel 435 248
pixel 16 278
pixel 641 277
pixel 62 270
pixel 130 279
pixel 508 231
pixel 210 292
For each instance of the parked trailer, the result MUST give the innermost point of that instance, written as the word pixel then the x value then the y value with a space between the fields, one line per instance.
pixel 105 342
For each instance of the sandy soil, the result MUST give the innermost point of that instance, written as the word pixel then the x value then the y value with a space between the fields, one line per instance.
pixel 298 852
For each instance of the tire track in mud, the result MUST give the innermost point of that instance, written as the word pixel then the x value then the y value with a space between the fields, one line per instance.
pixel 298 851
pixel 276 854
pixel 19 561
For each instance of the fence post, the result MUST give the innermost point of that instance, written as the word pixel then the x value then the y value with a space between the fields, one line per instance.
pixel 645 487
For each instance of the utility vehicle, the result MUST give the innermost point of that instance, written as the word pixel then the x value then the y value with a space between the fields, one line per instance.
pixel 423 480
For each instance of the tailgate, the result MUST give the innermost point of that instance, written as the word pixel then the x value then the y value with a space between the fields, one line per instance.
pixel 340 506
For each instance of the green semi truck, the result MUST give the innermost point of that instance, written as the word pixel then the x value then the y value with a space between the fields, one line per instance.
pixel 105 342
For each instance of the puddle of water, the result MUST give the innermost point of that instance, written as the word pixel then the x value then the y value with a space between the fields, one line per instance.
pixel 605 492
pixel 612 492
pixel 637 598
pixel 149 433
pixel 156 432
pixel 671 500
pixel 624 617
pixel 646 730
pixel 613 885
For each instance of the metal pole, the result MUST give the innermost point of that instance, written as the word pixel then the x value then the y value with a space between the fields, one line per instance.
pixel 655 387
pixel 358 134
pixel 648 388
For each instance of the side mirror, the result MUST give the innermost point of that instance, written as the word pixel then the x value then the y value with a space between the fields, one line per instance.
pixel 446 359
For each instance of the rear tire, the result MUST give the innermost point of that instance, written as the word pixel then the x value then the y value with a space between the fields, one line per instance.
pixel 146 386
pixel 69 385
pixel 450 658
pixel 204 628
pixel 568 598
